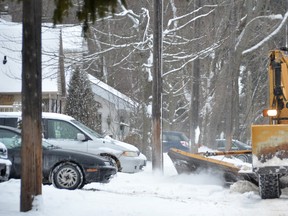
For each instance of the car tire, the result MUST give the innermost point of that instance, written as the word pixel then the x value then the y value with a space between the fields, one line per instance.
pixel 269 186
pixel 68 176
pixel 114 161
pixel 244 158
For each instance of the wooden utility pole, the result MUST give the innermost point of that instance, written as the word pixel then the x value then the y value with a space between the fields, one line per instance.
pixel 31 152
pixel 157 156
pixel 195 86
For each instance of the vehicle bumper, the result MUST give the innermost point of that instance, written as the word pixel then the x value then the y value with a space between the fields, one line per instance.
pixel 5 167
pixel 99 174
pixel 132 164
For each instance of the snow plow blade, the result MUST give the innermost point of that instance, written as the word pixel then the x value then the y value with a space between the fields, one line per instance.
pixel 186 162
pixel 270 149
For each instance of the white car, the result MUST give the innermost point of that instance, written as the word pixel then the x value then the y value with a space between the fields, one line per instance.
pixel 5 164
pixel 65 132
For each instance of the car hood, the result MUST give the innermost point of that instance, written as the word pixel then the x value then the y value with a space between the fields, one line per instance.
pixel 124 145
pixel 72 153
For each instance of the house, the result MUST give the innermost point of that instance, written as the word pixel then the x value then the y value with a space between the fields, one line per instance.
pixel 115 109
pixel 10 72
pixel 62 46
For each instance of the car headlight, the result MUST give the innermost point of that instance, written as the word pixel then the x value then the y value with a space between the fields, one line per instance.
pixel 3 153
pixel 130 154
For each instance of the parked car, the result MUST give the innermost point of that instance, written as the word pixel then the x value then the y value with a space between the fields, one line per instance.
pixel 66 132
pixel 174 139
pixel 5 163
pixel 236 146
pixel 65 169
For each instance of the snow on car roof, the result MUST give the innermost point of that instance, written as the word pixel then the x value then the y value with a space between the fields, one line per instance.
pixel 44 114
pixel 56 116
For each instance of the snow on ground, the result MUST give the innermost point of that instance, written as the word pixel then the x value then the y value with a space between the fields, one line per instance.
pixel 147 194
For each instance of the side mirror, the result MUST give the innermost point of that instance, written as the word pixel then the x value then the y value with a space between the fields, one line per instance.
pixel 81 137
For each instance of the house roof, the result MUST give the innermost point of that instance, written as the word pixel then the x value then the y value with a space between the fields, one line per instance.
pixel 11 72
pixel 110 94
pixel 11 46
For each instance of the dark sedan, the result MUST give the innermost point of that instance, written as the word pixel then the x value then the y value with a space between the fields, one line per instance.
pixel 65 169
pixel 175 139
pixel 236 146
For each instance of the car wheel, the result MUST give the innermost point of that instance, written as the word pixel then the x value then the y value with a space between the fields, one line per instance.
pixel 114 161
pixel 244 158
pixel 67 176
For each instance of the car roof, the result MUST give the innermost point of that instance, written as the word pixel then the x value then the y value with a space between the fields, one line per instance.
pixel 44 115
pixel 11 128
pixel 173 132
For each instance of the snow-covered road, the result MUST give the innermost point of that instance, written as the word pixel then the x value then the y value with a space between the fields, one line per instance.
pixel 148 194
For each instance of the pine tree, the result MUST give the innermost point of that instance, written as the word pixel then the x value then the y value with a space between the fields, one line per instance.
pixel 80 103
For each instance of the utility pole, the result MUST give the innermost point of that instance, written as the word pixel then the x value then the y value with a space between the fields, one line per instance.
pixel 31 150
pixel 157 156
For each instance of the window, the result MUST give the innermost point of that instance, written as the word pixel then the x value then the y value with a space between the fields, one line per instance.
pixel 61 130
pixel 221 145
pixel 12 122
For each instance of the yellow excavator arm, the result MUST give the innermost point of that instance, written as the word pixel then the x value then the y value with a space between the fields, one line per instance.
pixel 278 86
pixel 270 142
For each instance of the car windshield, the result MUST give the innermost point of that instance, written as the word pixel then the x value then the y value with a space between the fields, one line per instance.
pixel 172 136
pixel 87 129
pixel 184 137
pixel 243 145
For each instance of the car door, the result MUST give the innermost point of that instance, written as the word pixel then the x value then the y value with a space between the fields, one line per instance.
pixel 63 134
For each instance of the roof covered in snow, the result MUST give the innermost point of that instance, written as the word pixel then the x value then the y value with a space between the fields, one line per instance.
pixel 11 72
pixel 11 46
pixel 110 94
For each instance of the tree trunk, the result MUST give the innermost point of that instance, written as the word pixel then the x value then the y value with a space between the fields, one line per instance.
pixel 31 152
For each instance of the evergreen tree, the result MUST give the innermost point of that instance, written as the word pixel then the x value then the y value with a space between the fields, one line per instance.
pixel 80 103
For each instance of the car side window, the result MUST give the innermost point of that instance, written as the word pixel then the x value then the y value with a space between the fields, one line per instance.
pixel 174 138
pixel 11 122
pixel 221 145
pixel 58 129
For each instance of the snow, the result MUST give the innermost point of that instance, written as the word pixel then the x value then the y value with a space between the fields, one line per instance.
pixel 5 161
pixel 11 46
pixel 110 94
pixel 272 162
pixel 148 193
pixel 11 43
